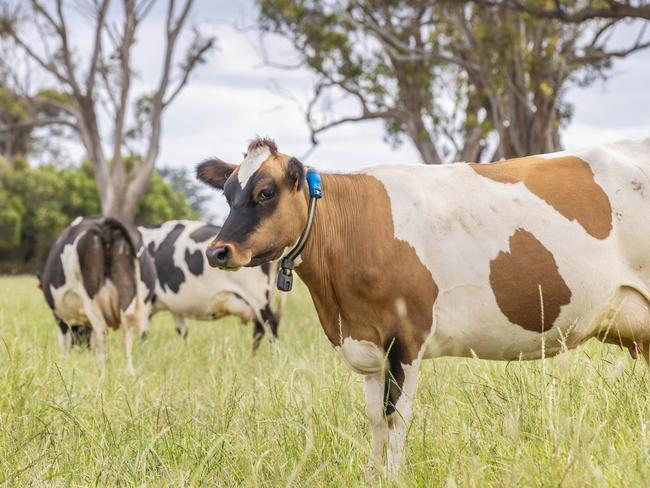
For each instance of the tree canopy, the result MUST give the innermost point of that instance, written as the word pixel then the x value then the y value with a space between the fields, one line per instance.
pixel 36 204
pixel 462 80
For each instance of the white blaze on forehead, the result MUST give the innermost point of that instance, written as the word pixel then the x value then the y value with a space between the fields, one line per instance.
pixel 251 164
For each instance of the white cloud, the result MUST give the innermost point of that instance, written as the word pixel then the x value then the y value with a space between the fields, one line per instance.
pixel 229 100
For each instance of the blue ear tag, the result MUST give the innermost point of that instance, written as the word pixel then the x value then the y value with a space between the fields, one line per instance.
pixel 313 180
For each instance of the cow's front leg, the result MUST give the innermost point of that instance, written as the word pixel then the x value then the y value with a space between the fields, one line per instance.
pixel 258 334
pixel 180 325
pixel 399 419
pixel 374 389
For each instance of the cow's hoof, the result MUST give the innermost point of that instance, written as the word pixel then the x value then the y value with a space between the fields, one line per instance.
pixel 144 335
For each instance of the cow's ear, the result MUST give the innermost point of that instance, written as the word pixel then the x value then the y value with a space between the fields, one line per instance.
pixel 215 172
pixel 296 173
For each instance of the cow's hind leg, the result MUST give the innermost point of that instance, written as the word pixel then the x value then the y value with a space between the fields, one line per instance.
pixel 645 352
pixel 129 321
pixel 180 325
pixel 100 329
pixel 65 336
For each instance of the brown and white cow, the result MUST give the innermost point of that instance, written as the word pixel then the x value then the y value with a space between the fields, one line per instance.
pixel 99 275
pixel 504 261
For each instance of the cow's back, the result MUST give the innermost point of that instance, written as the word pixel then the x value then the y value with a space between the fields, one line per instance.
pixel 187 285
pixel 520 247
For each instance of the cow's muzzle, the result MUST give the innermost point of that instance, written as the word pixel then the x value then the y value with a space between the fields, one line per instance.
pixel 218 256
pixel 226 255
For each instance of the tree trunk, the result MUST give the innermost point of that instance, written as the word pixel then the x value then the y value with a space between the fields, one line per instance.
pixel 420 137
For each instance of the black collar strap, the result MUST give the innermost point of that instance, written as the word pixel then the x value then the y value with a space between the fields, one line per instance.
pixel 285 277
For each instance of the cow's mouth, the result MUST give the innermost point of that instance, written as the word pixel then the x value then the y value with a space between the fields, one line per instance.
pixel 262 258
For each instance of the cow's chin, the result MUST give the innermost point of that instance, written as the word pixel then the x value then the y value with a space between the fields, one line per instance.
pixel 264 257
pixel 231 268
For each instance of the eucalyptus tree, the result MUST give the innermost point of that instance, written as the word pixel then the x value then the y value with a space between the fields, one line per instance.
pixel 462 81
pixel 94 76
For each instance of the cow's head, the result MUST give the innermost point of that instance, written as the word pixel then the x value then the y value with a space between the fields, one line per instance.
pixel 268 208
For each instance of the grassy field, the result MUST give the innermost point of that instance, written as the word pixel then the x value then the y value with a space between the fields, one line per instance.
pixel 210 413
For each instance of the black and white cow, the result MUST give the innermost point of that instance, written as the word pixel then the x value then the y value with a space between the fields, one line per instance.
pixel 189 288
pixel 98 275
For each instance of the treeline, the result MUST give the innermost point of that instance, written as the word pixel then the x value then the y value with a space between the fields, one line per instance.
pixel 37 203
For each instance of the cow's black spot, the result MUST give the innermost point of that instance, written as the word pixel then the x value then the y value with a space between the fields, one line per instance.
pixel 53 274
pixel 148 273
pixel 245 215
pixel 204 233
pixel 266 269
pixel 395 374
pixel 63 327
pixel 194 262
pixel 94 261
pixel 269 317
pixel 169 275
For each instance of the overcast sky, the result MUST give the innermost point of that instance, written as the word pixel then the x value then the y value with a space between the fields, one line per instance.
pixel 233 97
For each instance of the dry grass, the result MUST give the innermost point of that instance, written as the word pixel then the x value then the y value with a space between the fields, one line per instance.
pixel 210 413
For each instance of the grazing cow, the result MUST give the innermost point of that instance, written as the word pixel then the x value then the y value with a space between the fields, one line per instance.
pixel 188 287
pixel 79 334
pixel 518 259
pixel 98 274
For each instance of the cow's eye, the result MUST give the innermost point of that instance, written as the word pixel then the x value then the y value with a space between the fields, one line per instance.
pixel 266 194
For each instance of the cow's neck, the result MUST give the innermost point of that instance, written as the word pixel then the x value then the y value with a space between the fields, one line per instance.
pixel 356 268
pixel 332 249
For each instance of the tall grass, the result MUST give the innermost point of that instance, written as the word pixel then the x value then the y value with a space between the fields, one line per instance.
pixel 208 412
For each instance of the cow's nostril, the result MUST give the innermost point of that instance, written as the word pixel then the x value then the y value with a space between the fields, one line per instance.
pixel 218 256
pixel 222 255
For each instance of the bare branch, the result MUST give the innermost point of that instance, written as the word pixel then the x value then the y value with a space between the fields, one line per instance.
pixel 194 58
pixel 65 48
pixel 38 122
pixel 317 129
pixel 99 26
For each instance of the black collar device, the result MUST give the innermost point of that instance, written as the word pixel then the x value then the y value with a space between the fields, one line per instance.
pixel 285 276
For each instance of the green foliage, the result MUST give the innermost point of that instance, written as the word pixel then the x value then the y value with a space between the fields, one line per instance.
pixel 10 220
pixel 195 193
pixel 36 204
pixel 11 105
pixel 161 203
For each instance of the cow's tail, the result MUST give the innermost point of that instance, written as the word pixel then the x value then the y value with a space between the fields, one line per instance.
pixel 111 225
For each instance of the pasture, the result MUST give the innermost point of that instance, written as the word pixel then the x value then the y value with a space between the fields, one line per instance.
pixel 208 412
